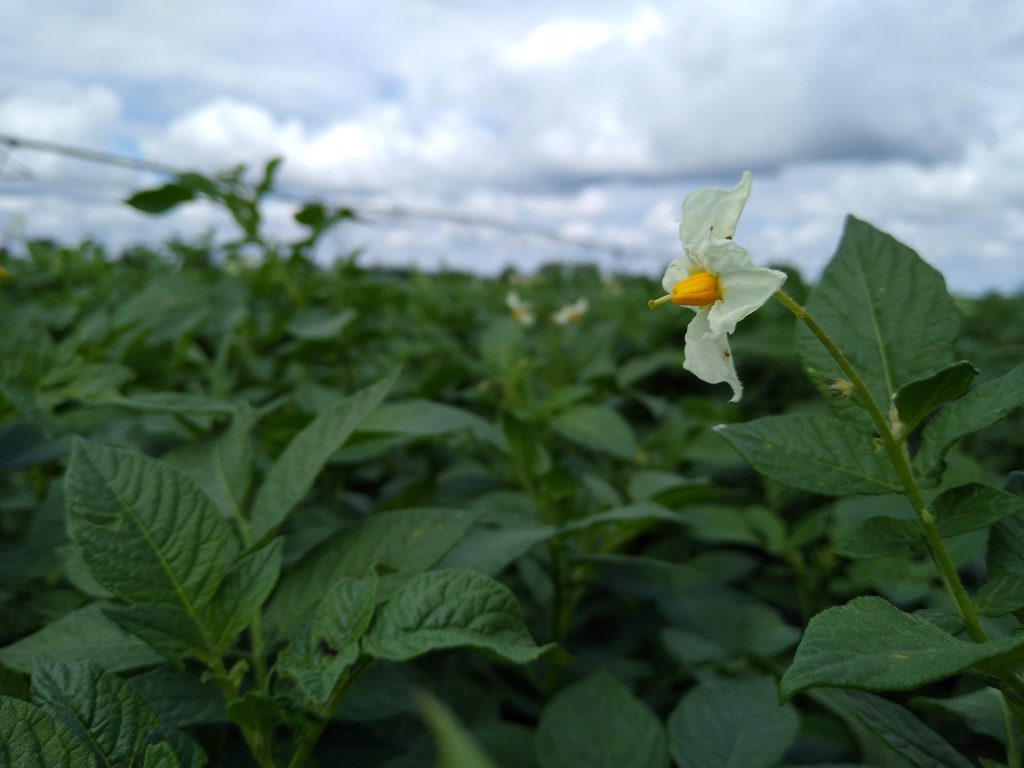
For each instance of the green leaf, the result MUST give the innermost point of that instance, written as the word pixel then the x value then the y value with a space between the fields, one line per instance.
pixel 813 452
pixel 256 711
pixel 85 634
pixel 345 613
pixel 424 418
pixel 985 404
pixel 293 474
pixel 599 428
pixel 599 723
pixel 168 630
pixel 410 540
pixel 972 506
pixel 455 747
pixel 147 533
pixel 896 727
pixel 1003 593
pixel 980 710
pixel 180 698
pixel 31 738
pixel 317 658
pixel 222 467
pixel 100 708
pixel 319 325
pixel 160 756
pixel 732 724
pixel 917 399
pixel 641 512
pixel 501 346
pixel 242 594
pixel 886 309
pixel 450 609
pixel 1005 553
pixel 880 537
pixel 871 645
pixel 161 199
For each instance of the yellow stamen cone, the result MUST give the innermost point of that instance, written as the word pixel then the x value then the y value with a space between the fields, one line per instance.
pixel 698 290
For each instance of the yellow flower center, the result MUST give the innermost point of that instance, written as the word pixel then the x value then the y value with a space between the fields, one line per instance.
pixel 698 290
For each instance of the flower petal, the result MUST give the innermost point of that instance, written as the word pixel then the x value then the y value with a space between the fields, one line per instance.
pixel 678 269
pixel 743 291
pixel 713 213
pixel 718 256
pixel 708 356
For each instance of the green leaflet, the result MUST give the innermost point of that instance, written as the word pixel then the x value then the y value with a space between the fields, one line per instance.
pixel 985 404
pixel 450 609
pixel 292 475
pixel 886 309
pixel 408 540
pixel 222 466
pixel 86 634
pixel 102 710
pixel 871 645
pixel 895 726
pixel 317 657
pixel 599 428
pixel 32 738
pixel 242 593
pixel 160 756
pixel 599 723
pixel 817 453
pixel 455 747
pixel 918 398
pixel 732 724
pixel 881 537
pixel 148 535
pixel 972 506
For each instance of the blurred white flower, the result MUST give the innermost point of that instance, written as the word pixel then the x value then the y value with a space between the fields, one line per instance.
pixel 522 313
pixel 571 313
pixel 716 278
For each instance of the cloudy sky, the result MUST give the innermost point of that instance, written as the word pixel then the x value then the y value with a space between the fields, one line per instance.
pixel 591 120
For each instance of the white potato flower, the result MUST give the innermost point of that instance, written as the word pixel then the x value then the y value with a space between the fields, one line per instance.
pixel 716 278
pixel 522 313
pixel 571 313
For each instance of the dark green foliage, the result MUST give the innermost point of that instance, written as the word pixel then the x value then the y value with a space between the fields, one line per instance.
pixel 238 496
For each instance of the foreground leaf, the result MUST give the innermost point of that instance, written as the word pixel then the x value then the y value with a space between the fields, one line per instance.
pixel 242 594
pixel 984 405
pixel 896 727
pixel 732 724
pixel 449 609
pixel 104 711
pixel 599 723
pixel 408 540
pixel 293 474
pixel 146 533
pixel 973 506
pixel 599 428
pixel 886 309
pixel 872 645
pixel 31 738
pixel 917 399
pixel 813 452
pixel 881 537
pixel 86 634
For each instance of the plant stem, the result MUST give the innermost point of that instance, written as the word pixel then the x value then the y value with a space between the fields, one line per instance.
pixel 1012 750
pixel 257 741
